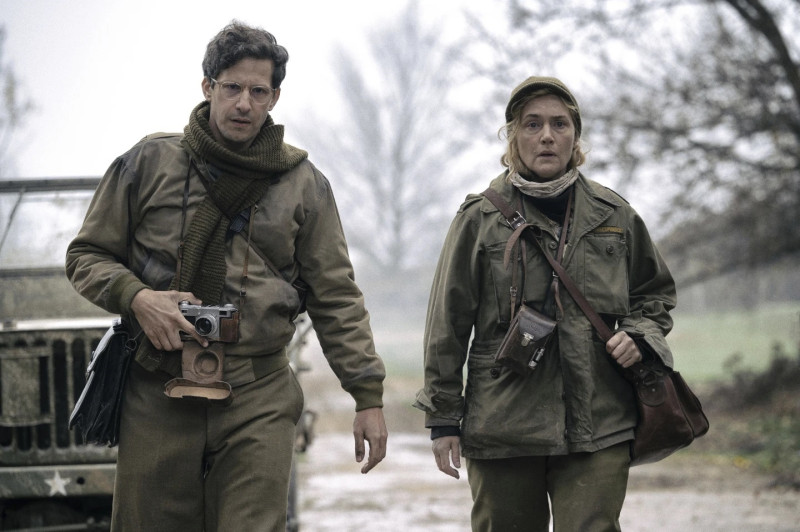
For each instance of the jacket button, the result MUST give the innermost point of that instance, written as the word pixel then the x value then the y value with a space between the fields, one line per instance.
pixel 610 249
pixel 552 245
pixel 494 372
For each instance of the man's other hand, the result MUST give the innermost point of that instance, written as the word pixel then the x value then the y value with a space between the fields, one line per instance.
pixel 370 425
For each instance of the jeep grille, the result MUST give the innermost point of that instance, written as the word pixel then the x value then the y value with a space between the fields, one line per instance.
pixel 42 374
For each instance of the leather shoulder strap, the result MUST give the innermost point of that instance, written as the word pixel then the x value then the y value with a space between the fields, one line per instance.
pixel 516 220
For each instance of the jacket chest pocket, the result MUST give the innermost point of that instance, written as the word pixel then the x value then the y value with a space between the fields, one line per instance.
pixel 605 257
pixel 498 283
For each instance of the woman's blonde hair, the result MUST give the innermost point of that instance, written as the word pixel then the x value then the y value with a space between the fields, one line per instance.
pixel 511 158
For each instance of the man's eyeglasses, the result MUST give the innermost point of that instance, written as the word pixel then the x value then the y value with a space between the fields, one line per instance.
pixel 231 90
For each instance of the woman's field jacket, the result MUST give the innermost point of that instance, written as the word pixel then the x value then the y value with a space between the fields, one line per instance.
pixel 296 227
pixel 576 400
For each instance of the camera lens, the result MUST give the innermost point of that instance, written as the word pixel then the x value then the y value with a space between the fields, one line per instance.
pixel 204 325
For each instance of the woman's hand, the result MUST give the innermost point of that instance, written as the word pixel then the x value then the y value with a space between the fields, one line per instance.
pixel 443 449
pixel 623 349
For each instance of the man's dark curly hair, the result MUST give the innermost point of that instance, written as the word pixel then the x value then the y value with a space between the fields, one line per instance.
pixel 239 41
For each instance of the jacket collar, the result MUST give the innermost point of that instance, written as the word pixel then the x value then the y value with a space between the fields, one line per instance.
pixel 594 204
pixel 594 192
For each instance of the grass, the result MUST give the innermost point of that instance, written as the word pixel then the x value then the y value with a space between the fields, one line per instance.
pixel 755 416
pixel 704 344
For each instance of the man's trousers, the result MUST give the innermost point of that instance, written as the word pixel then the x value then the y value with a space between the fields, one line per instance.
pixel 187 466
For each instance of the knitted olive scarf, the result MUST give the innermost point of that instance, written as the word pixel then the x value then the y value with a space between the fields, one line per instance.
pixel 241 178
pixel 238 180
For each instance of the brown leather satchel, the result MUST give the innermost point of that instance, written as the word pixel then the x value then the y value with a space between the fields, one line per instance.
pixel 670 415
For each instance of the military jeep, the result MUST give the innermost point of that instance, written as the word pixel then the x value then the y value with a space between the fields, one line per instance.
pixel 50 480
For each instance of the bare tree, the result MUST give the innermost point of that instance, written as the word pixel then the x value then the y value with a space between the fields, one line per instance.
pixel 13 110
pixel 697 100
pixel 392 156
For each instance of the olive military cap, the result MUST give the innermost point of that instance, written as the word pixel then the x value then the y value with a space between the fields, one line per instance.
pixel 535 83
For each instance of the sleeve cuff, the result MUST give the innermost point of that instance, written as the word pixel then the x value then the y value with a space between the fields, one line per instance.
pixel 368 395
pixel 121 293
pixel 644 348
pixel 444 430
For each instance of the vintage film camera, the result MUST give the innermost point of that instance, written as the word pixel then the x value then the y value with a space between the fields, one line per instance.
pixel 216 324
pixel 202 366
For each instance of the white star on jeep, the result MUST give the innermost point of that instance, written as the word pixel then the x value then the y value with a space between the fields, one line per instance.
pixel 58 484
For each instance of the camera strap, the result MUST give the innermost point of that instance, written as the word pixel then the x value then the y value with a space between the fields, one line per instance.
pixel 183 227
pixel 243 288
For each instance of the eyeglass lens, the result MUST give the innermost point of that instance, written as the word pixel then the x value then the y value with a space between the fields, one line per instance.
pixel 232 90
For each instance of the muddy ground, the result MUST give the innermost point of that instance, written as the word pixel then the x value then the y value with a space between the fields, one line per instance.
pixel 406 493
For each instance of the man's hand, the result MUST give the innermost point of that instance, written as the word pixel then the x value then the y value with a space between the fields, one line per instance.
pixel 443 449
pixel 369 425
pixel 623 349
pixel 161 319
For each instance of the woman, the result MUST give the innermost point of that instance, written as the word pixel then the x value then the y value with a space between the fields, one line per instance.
pixel 562 431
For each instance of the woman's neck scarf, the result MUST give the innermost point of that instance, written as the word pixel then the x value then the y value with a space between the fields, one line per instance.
pixel 547 189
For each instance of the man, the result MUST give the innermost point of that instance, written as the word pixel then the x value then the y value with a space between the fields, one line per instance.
pixel 226 213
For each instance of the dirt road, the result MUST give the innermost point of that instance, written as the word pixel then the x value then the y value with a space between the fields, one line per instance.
pixel 406 493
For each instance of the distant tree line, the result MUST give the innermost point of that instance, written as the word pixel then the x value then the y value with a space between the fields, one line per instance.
pixel 693 102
